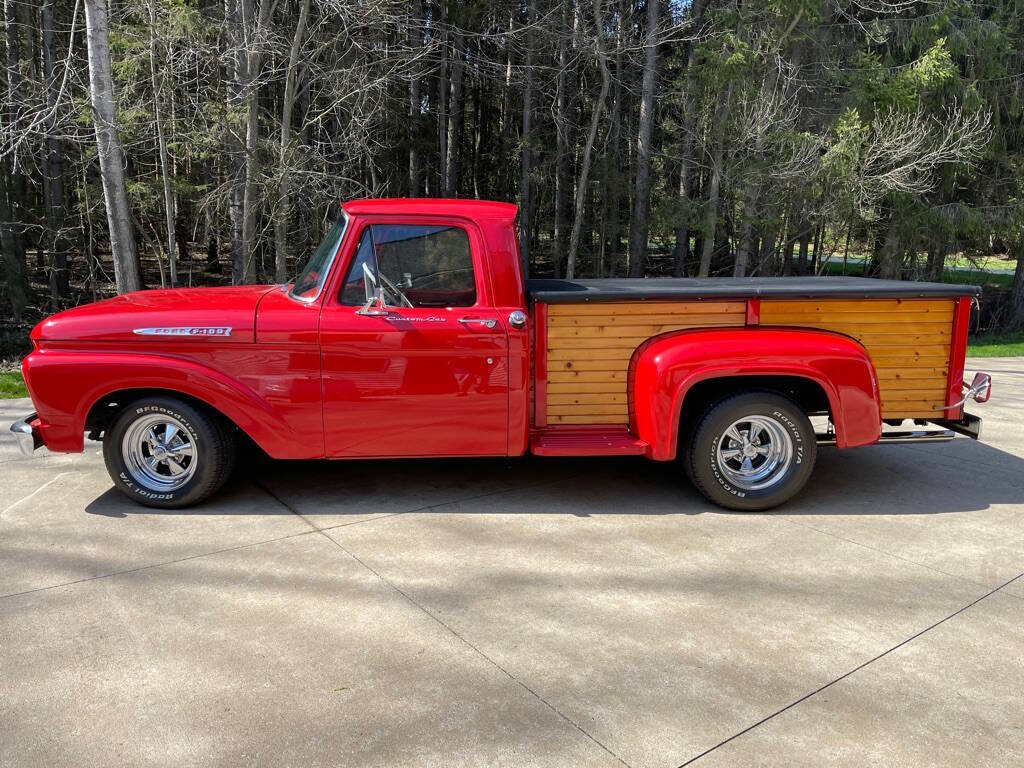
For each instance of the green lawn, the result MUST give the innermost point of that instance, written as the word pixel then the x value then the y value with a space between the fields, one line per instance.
pixel 949 276
pixel 12 385
pixel 997 345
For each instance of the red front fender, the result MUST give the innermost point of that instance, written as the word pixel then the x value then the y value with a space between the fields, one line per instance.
pixel 65 384
pixel 664 369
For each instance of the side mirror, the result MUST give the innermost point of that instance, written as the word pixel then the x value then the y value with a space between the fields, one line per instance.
pixel 374 306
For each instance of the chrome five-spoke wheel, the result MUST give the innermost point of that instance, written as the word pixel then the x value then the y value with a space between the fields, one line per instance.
pixel 159 452
pixel 752 450
pixel 755 452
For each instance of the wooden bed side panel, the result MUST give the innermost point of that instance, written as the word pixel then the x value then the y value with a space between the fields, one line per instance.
pixel 909 341
pixel 589 347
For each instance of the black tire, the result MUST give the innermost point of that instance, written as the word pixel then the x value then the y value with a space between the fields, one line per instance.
pixel 210 438
pixel 730 483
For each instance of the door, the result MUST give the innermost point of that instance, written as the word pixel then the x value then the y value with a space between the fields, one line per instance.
pixel 427 374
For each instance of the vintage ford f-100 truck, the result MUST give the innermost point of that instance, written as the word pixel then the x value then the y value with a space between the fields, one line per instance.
pixel 411 332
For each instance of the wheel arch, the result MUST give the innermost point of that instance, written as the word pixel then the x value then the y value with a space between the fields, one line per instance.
pixel 107 408
pixel 685 369
pixel 73 391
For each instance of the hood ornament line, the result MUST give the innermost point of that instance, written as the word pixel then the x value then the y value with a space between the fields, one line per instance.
pixel 186 330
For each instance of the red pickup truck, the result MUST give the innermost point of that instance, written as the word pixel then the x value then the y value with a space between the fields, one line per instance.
pixel 411 332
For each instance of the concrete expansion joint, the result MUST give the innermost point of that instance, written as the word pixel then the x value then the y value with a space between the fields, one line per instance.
pixel 444 625
pixel 856 669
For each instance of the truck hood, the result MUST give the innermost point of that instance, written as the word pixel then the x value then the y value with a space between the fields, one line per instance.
pixel 226 314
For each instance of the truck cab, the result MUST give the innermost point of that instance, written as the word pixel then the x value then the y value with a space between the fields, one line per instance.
pixel 411 332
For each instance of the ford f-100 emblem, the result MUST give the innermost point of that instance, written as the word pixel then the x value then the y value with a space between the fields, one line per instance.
pixel 186 330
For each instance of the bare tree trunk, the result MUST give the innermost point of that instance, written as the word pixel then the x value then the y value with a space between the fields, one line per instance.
pixel 562 183
pixel 442 100
pixel 1017 294
pixel 889 258
pixel 111 156
pixel 282 217
pixel 581 187
pixel 172 259
pixel 252 26
pixel 504 182
pixel 805 239
pixel 235 146
pixel 53 173
pixel 714 186
pixel 12 181
pixel 642 196
pixel 212 244
pixel 612 181
pixel 819 246
pixel 525 198
pixel 415 41
pixel 454 128
pixel 747 239
pixel 937 258
pixel 689 128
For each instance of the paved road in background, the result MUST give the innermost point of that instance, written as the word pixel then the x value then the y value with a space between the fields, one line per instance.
pixel 519 613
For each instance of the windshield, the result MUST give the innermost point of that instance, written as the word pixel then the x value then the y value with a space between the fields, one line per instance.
pixel 310 281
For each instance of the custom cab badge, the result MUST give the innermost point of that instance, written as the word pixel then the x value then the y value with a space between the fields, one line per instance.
pixel 185 330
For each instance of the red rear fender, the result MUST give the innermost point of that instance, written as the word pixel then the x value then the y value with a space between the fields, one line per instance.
pixel 665 368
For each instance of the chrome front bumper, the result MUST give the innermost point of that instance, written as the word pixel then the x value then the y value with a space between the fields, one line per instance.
pixel 27 432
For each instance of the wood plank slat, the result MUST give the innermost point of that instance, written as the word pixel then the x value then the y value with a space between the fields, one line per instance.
pixel 851 327
pixel 646 308
pixel 587 420
pixel 907 406
pixel 585 365
pixel 561 345
pixel 593 398
pixel 910 372
pixel 638 332
pixel 640 321
pixel 857 305
pixel 614 409
pixel 556 377
pixel 883 356
pixel 616 353
pixel 586 387
pixel 921 396
pixel 896 385
pixel 940 339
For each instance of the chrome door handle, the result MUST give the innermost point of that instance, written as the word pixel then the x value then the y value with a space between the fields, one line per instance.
pixel 486 322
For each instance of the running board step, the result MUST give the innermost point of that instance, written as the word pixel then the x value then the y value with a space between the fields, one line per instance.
pixel 914 436
pixel 583 441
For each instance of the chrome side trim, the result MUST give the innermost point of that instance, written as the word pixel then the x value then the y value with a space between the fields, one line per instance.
pixel 186 330
pixel 915 436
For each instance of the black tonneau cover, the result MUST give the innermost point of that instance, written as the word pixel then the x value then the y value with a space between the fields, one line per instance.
pixel 693 289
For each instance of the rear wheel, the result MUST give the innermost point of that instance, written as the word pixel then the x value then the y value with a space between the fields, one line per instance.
pixel 751 451
pixel 163 452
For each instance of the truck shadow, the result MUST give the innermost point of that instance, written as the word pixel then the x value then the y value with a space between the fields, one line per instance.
pixel 960 476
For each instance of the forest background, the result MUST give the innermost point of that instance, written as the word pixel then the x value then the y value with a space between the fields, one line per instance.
pixel 157 142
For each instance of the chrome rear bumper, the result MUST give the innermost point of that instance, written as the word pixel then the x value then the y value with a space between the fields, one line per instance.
pixel 969 426
pixel 910 436
pixel 27 432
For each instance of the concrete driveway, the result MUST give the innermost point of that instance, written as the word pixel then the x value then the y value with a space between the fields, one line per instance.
pixel 527 612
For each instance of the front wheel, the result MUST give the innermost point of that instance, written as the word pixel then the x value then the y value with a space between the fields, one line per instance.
pixel 163 452
pixel 752 451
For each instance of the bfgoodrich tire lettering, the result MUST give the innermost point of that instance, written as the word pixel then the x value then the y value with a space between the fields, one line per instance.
pixel 201 451
pixel 738 473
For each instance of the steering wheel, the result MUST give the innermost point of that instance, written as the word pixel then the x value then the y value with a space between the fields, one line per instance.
pixel 393 289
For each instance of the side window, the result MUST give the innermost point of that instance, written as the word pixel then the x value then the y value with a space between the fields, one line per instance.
pixel 415 265
pixel 360 283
